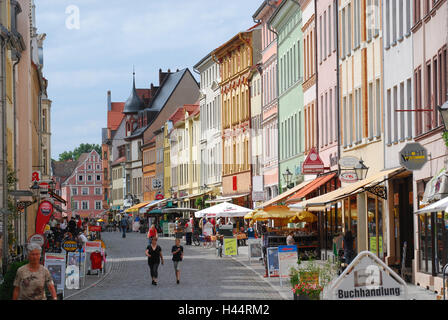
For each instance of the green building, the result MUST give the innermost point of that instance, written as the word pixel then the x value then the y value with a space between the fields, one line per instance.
pixel 286 22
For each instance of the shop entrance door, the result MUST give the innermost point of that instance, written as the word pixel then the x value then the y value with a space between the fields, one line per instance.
pixel 406 223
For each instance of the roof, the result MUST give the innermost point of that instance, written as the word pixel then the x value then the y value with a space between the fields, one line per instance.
pixel 134 103
pixel 118 161
pixel 166 89
pixel 115 116
pixel 192 109
pixel 137 132
pixel 63 169
pixel 178 115
pixel 263 5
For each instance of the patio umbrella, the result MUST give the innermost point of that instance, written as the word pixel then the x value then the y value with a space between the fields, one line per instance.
pixel 250 215
pixel 274 212
pixel 100 220
pixel 304 216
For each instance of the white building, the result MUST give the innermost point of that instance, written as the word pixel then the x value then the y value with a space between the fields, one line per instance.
pixel 210 137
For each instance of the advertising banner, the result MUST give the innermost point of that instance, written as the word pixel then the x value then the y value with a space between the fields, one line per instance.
pixel 44 213
pixel 287 257
pixel 55 263
pixel 92 246
pixel 273 264
pixel 230 246
pixel 207 229
pixel 255 249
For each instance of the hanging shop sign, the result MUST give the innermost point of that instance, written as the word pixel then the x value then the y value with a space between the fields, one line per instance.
pixel 37 239
pixel 413 156
pixel 348 162
pixel 348 176
pixel 44 213
pixel 368 278
pixel 70 245
pixel 313 164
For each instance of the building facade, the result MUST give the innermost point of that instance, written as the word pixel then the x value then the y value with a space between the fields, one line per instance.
pixel 210 133
pixel 236 57
pixel 287 23
pixel 269 95
pixel 83 188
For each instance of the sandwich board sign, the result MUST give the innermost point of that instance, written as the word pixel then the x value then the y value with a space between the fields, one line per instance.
pixel 368 278
pixel 287 258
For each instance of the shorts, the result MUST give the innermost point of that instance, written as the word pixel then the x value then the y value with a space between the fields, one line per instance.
pixel 177 265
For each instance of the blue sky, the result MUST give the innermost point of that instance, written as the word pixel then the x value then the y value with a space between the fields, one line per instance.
pixel 82 64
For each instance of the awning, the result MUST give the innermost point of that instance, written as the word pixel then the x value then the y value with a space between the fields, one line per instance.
pixel 313 185
pixel 321 202
pixel 171 210
pixel 137 206
pixel 224 209
pixel 285 194
pixel 155 211
pixel 226 199
pixel 441 205
pixel 153 203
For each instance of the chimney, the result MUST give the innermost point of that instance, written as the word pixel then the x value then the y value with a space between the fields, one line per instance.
pixel 109 101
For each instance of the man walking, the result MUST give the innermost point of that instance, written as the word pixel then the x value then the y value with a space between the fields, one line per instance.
pixel 178 254
pixel 124 226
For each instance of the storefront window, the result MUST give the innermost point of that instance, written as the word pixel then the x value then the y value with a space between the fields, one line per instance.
pixel 354 216
pixel 375 226
pixel 425 243
pixel 442 241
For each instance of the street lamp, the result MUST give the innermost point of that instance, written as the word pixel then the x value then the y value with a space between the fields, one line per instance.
pixel 35 189
pixel 287 176
pixel 444 113
pixel 361 170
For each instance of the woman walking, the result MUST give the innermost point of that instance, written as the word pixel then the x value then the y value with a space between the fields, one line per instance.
pixel 152 233
pixel 178 254
pixel 32 278
pixel 154 254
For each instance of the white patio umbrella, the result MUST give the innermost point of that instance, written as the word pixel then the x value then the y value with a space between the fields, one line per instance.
pixel 224 209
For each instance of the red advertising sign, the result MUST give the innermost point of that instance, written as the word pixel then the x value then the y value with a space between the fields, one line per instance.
pixel 44 213
pixel 313 164
pixel 234 184
pixel 95 228
pixel 159 196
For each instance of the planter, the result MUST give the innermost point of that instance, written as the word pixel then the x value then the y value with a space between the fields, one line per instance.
pixel 305 297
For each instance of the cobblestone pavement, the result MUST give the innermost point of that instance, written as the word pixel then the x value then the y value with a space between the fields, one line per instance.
pixel 203 275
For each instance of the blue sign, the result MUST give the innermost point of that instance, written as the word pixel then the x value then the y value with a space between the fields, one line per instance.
pixel 292 248
pixel 273 265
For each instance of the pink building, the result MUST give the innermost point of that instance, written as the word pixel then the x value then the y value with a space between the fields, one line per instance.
pixel 269 99
pixel 327 83
pixel 430 54
pixel 82 189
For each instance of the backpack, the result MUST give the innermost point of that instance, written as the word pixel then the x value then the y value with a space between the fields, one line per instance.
pixel 124 222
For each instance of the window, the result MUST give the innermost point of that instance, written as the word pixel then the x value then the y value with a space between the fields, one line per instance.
pixel 370 108
pixel 75 205
pixel 85 191
pixel 344 120
pixel 97 191
pixel 409 106
pixel 349 24
pixel 408 17
pixel 98 205
pixel 402 128
pixel 400 20
pixel 74 191
pixel 85 205
pixel 394 114
pixel 98 177
pixel 388 23
pixel 325 35
pixel 417 16
pixel 80 178
pixel 89 178
pixel 378 108
pixel 320 39
pixel 394 22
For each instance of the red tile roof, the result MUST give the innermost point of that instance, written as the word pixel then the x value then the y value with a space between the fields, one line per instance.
pixel 178 115
pixel 192 109
pixel 115 116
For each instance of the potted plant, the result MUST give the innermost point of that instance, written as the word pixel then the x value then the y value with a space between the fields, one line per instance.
pixel 309 280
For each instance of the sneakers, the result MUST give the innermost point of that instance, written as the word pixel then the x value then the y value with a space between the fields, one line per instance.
pixel 153 282
pixel 177 281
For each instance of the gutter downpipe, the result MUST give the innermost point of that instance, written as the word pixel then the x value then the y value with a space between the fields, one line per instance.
pixel 4 181
pixel 280 190
pixel 337 83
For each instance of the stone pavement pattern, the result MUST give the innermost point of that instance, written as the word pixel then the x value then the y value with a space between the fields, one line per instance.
pixel 203 275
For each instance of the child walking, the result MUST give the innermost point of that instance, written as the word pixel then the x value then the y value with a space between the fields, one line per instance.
pixel 178 254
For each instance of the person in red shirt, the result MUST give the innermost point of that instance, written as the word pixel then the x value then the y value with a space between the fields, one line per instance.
pixel 152 233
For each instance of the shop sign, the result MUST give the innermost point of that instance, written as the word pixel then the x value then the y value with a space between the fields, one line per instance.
pixel 230 246
pixel 35 176
pixel 348 176
pixel 368 278
pixel 70 245
pixel 413 156
pixel 348 162
pixel 37 239
pixel 313 164
pixel 159 196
